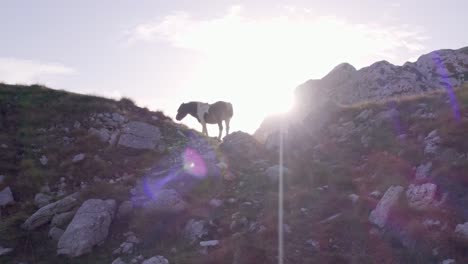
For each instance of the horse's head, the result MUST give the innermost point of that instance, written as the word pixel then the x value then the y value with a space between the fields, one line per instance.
pixel 182 112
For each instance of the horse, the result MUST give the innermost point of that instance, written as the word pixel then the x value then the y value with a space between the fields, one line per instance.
pixel 208 114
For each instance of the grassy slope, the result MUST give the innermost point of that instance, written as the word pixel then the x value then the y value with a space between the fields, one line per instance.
pixel 346 167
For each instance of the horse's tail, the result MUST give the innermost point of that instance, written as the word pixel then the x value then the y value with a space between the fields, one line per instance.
pixel 230 110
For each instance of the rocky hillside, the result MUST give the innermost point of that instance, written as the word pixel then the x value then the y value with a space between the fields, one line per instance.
pixel 438 70
pixel 91 180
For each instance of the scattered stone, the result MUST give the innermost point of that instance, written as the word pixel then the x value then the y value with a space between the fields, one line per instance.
pixel 330 219
pixel 209 243
pixel 42 199
pixel 43 160
pixel 124 248
pixel 6 197
pixel 137 259
pixel 89 227
pixel 140 135
pixel 156 260
pixel 449 261
pixel 195 230
pixel 56 233
pixel 353 197
pixel 462 230
pixel 431 223
pixel 5 251
pixel 422 172
pixel 76 125
pixel 421 196
pixel 432 142
pixel 380 214
pixel 376 194
pixel 315 244
pixel 118 261
pixel 45 214
pixel 4 146
pixel 216 203
pixel 78 157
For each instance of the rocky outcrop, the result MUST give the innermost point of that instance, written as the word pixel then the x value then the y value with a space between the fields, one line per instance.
pixel 140 135
pixel 241 148
pixel 380 214
pixel 421 196
pixel 89 227
pixel 434 71
pixel 42 199
pixel 46 213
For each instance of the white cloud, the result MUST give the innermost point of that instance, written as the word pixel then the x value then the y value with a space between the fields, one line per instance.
pixel 22 71
pixel 246 58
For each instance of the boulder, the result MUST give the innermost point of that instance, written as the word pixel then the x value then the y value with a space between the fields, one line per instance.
pixel 89 227
pixel 209 243
pixel 6 197
pixel 421 196
pixel 156 260
pixel 42 199
pixel 140 135
pixel 380 214
pixel 432 142
pixel 43 160
pixel 195 230
pixel 103 134
pixel 241 148
pixel 422 172
pixel 46 213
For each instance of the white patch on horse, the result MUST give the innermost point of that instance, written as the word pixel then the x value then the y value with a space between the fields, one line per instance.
pixel 202 109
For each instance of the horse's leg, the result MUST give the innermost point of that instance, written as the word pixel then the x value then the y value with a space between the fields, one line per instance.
pixel 220 126
pixel 227 125
pixel 204 131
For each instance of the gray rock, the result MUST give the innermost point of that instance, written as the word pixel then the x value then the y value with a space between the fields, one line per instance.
pixel 209 243
pixel 432 142
pixel 125 209
pixel 5 251
pixel 46 213
pixel 421 196
pixel 6 197
pixel 449 261
pixel 125 248
pixel 140 135
pixel 423 170
pixel 61 220
pixel 78 157
pixel 195 230
pixel 166 200
pixel 353 197
pixel 89 227
pixel 76 125
pixel 462 230
pixel 118 261
pixel 376 194
pixel 216 203
pixel 241 148
pixel 42 199
pixel 314 244
pixel 273 172
pixel 56 233
pixel 156 260
pixel 43 160
pixel 379 215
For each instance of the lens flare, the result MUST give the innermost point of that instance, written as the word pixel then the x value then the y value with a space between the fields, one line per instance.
pixel 194 163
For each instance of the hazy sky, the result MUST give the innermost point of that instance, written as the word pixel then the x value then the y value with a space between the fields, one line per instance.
pixel 252 53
